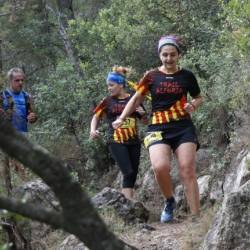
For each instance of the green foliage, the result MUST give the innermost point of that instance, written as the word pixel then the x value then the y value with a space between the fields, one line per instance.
pixel 236 40
pixel 63 93
pixel 4 247
pixel 29 39
pixel 239 21
pixel 129 35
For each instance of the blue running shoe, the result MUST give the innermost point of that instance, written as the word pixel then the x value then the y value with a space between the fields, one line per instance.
pixel 167 214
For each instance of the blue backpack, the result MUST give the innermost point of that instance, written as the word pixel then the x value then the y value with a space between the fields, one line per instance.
pixel 6 95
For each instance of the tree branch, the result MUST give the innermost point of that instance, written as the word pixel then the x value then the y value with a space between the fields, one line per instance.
pixel 5 14
pixel 79 216
pixel 33 212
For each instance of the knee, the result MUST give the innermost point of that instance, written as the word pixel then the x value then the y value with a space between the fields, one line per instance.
pixel 160 166
pixel 187 172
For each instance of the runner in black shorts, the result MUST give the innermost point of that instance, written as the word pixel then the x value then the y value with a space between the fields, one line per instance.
pixel 124 144
pixel 171 127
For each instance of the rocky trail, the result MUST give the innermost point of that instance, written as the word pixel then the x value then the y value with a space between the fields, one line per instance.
pixel 158 236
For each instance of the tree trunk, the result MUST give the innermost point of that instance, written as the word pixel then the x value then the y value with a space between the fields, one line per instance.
pixel 13 11
pixel 66 13
pixel 9 225
pixel 6 185
pixel 1 57
pixel 78 215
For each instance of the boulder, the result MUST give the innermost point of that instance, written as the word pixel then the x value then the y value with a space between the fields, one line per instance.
pixel 40 195
pixel 203 183
pixel 129 211
pixel 72 243
pixel 216 192
pixel 239 175
pixel 150 193
pixel 230 229
pixel 181 202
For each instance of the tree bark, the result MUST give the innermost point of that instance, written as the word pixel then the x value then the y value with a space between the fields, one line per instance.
pixel 1 57
pixel 5 176
pixel 33 212
pixel 70 50
pixel 66 13
pixel 14 235
pixel 79 217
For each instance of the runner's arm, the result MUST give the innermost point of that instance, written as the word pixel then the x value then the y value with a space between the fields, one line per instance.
pixel 194 104
pixel 94 133
pixel 133 103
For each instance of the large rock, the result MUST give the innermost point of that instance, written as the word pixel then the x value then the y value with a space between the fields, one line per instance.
pixel 150 193
pixel 231 227
pixel 216 192
pixel 240 173
pixel 129 211
pixel 40 195
pixel 72 243
pixel 204 184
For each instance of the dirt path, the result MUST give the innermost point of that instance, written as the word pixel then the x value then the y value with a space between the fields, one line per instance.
pixel 174 236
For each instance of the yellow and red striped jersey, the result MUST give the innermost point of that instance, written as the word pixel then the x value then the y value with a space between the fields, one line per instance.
pixel 112 107
pixel 169 94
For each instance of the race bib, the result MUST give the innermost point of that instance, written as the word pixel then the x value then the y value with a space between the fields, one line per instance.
pixel 128 123
pixel 152 137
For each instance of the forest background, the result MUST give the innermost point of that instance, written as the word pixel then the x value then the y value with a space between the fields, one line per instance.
pixel 67 47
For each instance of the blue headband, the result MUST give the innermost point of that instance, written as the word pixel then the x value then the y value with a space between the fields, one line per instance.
pixel 117 78
pixel 168 40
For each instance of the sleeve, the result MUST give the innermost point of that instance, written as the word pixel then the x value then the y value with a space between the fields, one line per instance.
pixel 143 86
pixel 193 87
pixel 100 108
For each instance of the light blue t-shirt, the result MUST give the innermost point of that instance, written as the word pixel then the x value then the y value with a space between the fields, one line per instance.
pixel 19 115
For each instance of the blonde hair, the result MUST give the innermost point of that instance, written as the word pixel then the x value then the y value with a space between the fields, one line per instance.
pixel 124 71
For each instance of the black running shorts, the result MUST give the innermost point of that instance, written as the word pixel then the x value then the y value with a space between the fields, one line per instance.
pixel 173 136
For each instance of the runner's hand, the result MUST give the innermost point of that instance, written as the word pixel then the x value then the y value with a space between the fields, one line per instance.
pixel 94 134
pixel 117 123
pixel 189 107
pixel 31 117
pixel 140 110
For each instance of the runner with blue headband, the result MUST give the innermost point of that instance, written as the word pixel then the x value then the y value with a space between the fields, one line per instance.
pixel 116 77
pixel 123 143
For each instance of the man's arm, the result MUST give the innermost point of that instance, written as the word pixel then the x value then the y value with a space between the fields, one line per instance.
pixel 32 116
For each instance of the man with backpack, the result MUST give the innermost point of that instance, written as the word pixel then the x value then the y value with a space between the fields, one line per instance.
pixel 15 103
pixel 15 106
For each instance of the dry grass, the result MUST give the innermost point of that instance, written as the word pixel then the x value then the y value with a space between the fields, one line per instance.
pixel 115 223
pixel 197 230
pixel 52 241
